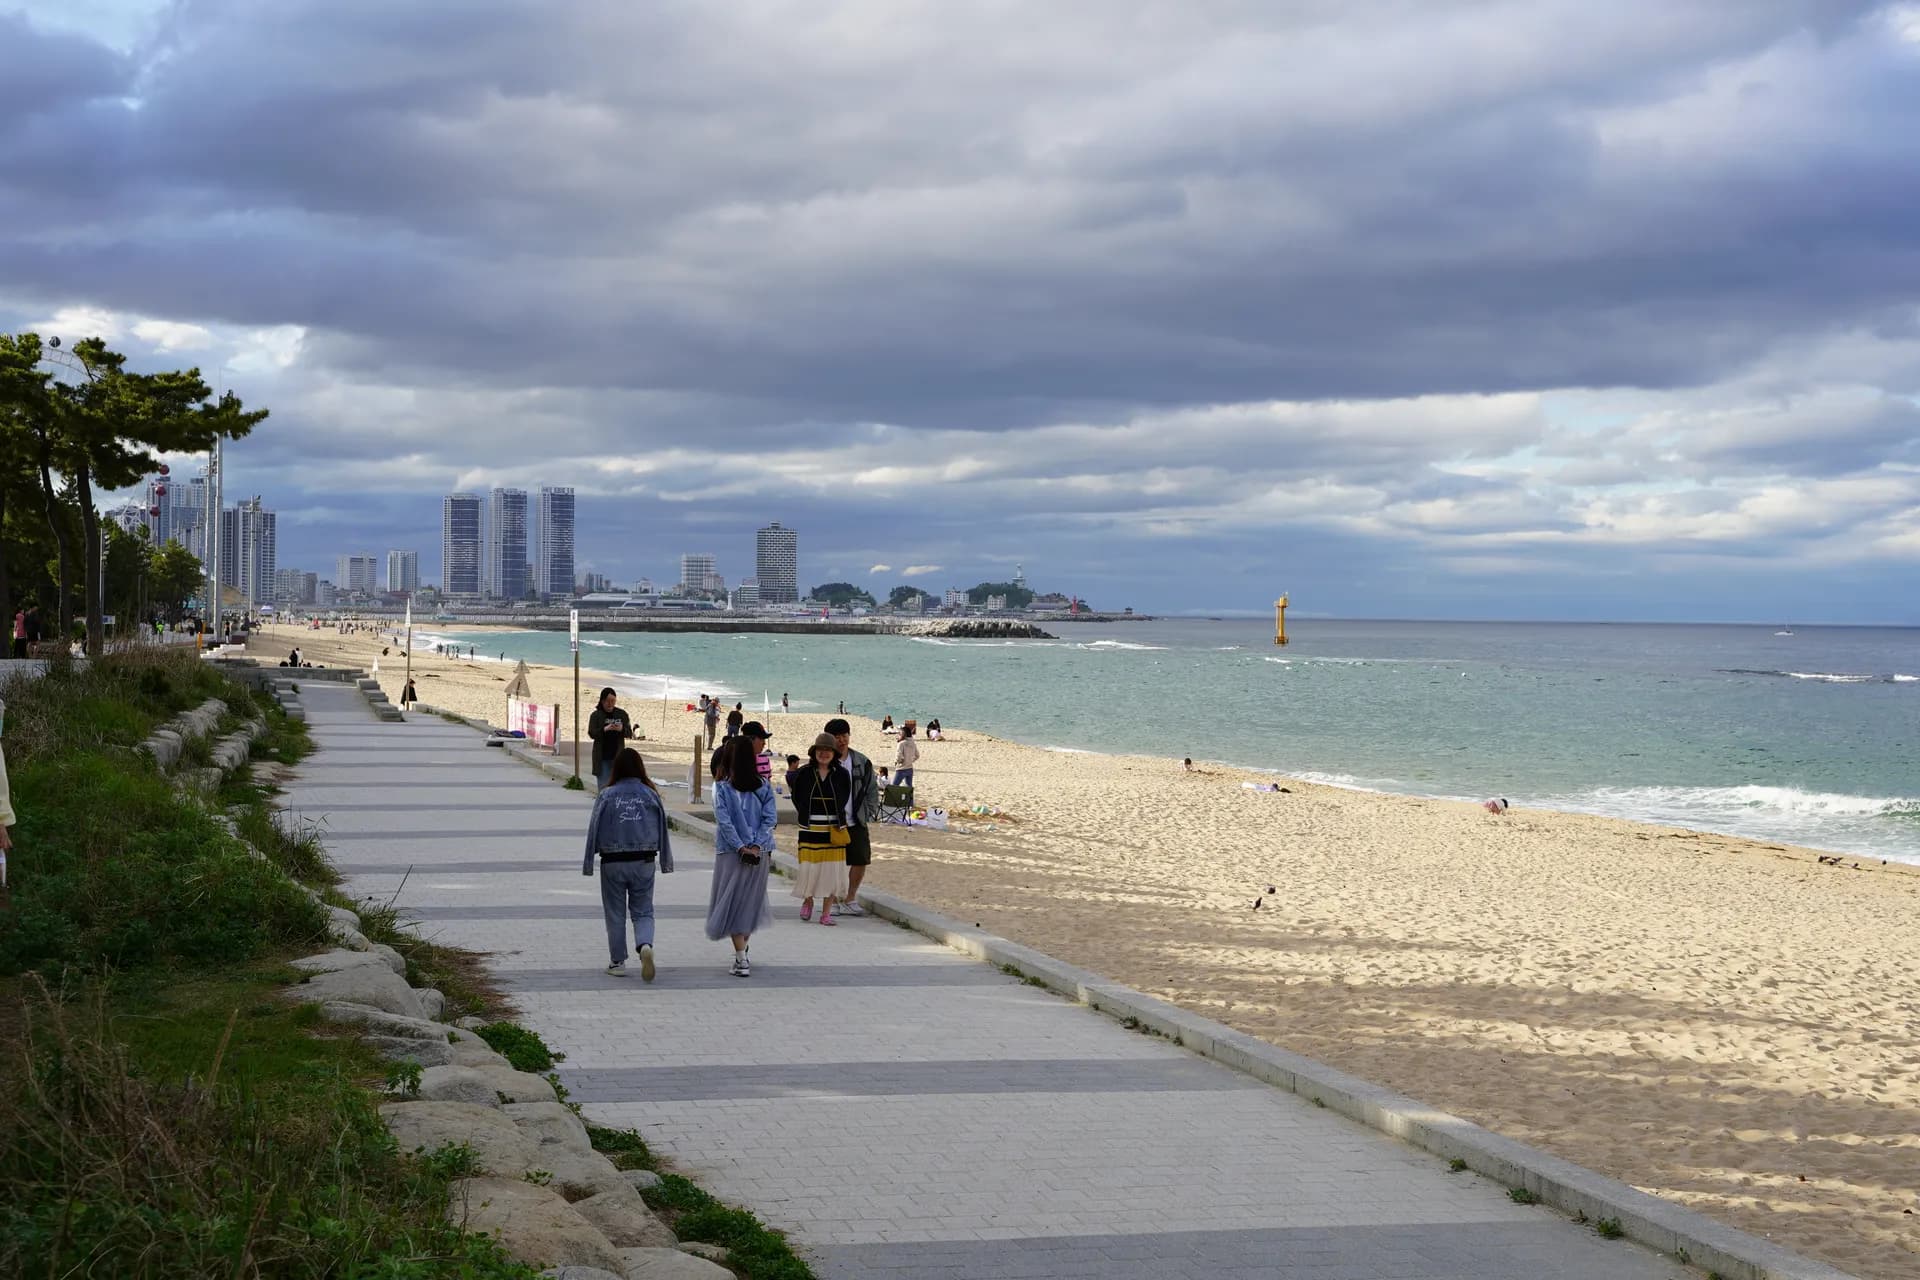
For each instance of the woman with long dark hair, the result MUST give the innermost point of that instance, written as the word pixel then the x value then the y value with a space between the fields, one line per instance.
pixel 608 729
pixel 628 830
pixel 744 813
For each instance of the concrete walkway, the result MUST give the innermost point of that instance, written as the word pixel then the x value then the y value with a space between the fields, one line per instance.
pixel 901 1110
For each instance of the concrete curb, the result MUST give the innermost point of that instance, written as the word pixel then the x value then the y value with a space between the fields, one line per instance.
pixel 1680 1233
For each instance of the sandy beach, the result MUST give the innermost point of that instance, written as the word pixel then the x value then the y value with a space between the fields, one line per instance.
pixel 1722 1022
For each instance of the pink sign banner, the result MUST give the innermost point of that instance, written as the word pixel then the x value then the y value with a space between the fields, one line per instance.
pixel 540 724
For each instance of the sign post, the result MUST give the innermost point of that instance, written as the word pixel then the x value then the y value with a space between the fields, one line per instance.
pixel 409 652
pixel 573 635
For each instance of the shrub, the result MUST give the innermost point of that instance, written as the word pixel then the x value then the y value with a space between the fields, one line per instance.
pixel 521 1047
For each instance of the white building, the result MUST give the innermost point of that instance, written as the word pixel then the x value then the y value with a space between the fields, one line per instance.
pixel 258 551
pixel 746 596
pixel 403 571
pixel 777 564
pixel 354 575
pixel 696 571
pixel 955 598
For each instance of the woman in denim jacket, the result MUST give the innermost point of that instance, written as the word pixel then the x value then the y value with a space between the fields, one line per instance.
pixel 628 830
pixel 744 813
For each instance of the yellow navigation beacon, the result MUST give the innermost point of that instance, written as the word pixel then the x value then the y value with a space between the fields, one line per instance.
pixel 1280 620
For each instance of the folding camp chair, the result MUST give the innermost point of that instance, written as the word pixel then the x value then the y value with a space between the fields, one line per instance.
pixel 895 801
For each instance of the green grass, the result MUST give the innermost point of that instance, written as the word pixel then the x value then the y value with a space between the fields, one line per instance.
pixel 460 976
pixel 1520 1195
pixel 519 1046
pixel 170 1126
pixel 754 1250
pixel 624 1147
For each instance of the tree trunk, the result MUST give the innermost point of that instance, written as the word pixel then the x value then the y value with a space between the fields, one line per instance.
pixel 94 575
pixel 63 539
pixel 6 584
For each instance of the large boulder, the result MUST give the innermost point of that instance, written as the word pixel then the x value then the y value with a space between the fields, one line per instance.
pixel 380 1022
pixel 532 1224
pixel 395 961
pixel 623 1217
pixel 366 984
pixel 640 1179
pixel 489 1086
pixel 434 1002
pixel 579 1273
pixel 498 1147
pixel 549 1122
pixel 580 1174
pixel 336 960
pixel 670 1264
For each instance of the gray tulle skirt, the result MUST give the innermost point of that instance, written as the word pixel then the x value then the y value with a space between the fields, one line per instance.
pixel 738 902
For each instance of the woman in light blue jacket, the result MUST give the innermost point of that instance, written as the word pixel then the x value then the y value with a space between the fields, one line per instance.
pixel 628 830
pixel 744 813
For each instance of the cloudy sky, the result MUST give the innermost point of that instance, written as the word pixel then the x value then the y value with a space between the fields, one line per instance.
pixel 1468 308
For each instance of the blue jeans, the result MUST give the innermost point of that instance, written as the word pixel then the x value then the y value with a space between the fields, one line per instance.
pixel 626 889
pixel 903 777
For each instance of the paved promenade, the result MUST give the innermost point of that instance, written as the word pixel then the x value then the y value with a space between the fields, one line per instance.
pixel 901 1110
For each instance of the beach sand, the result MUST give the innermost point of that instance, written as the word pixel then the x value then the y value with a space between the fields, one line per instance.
pixel 1721 1022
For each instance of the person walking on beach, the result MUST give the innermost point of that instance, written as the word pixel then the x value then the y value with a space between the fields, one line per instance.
pixel 744 813
pixel 783 702
pixel 628 830
pixel 609 725
pixel 863 809
pixel 904 755
pixel 735 718
pixel 712 717
pixel 821 790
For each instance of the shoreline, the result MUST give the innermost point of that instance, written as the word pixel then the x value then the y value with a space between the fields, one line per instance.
pixel 1720 1021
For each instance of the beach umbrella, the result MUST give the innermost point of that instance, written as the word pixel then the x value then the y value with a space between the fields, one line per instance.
pixel 518 686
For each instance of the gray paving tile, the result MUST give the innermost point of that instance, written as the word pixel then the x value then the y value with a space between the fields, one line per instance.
pixel 585 911
pixel 462 868
pixel 714 977
pixel 898 1079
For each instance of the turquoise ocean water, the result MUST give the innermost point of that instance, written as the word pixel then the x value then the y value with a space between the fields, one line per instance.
pixel 1809 737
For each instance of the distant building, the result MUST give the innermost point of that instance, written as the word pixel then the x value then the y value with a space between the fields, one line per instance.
pixel 777 564
pixel 915 603
pixel 506 545
pixel 460 544
pixel 746 596
pixel 553 543
pixel 595 583
pixel 955 598
pixel 1020 576
pixel 403 571
pixel 294 588
pixel 323 594
pixel 1053 600
pixel 356 575
pixel 257 551
pixel 645 587
pixel 696 571
pixel 996 604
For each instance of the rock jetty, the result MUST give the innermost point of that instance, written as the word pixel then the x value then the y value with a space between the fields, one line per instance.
pixel 974 629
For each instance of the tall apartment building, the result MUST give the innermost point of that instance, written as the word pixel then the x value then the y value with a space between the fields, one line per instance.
pixel 460 544
pixel 403 571
pixel 553 541
pixel 777 564
pixel 696 571
pixel 506 545
pixel 293 587
pixel 257 549
pixel 354 575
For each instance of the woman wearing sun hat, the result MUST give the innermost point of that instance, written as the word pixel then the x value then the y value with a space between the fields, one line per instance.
pixel 820 793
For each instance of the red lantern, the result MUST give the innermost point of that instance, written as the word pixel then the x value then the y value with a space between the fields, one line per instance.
pixel 164 471
pixel 153 511
pixel 160 491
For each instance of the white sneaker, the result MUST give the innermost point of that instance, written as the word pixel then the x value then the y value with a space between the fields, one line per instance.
pixel 741 969
pixel 850 909
pixel 646 963
pixel 617 969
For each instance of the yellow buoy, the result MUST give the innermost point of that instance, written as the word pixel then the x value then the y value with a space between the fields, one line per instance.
pixel 1280 620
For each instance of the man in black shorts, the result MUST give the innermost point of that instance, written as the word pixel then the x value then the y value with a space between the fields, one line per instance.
pixel 863 806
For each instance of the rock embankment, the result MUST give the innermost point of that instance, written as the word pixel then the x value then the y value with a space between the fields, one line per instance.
pixel 974 629
pixel 538 1185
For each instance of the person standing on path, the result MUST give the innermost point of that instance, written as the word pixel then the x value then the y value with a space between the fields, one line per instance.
pixel 744 813
pixel 863 809
pixel 7 816
pixel 628 830
pixel 904 756
pixel 608 725
pixel 821 790
pixel 20 633
pixel 755 733
pixel 735 718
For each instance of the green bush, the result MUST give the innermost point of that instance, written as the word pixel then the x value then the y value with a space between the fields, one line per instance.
pixel 624 1147
pixel 521 1047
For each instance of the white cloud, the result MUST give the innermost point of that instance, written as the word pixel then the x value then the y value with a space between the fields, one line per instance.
pixel 915 570
pixel 171 335
pixel 881 568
